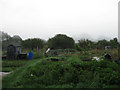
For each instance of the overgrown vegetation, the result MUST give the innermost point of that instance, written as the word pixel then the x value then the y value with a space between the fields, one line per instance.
pixel 33 43
pixel 67 65
pixel 61 41
pixel 11 65
pixel 68 73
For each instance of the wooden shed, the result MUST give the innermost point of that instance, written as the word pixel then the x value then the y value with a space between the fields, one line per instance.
pixel 13 50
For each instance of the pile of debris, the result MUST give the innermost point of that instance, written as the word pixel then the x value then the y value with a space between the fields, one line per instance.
pixel 106 56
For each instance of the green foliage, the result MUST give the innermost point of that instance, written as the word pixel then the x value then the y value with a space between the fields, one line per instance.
pixel 37 55
pixel 61 41
pixel 71 85
pixel 74 58
pixel 4 35
pixel 33 43
pixel 11 65
pixel 7 39
pixel 85 44
pixel 102 43
pixel 77 47
pixel 114 43
pixel 70 73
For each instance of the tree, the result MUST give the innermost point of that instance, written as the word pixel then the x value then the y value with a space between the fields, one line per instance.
pixel 7 39
pixel 4 36
pixel 102 43
pixel 33 43
pixel 114 43
pixel 16 37
pixel 61 41
pixel 85 44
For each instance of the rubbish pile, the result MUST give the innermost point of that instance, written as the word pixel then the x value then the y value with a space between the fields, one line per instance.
pixel 96 58
pixel 106 56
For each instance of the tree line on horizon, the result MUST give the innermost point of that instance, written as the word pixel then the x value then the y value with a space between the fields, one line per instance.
pixel 59 41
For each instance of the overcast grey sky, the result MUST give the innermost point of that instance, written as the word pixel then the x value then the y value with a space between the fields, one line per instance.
pixel 45 18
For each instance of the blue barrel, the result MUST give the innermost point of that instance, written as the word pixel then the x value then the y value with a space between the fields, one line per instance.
pixel 30 55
